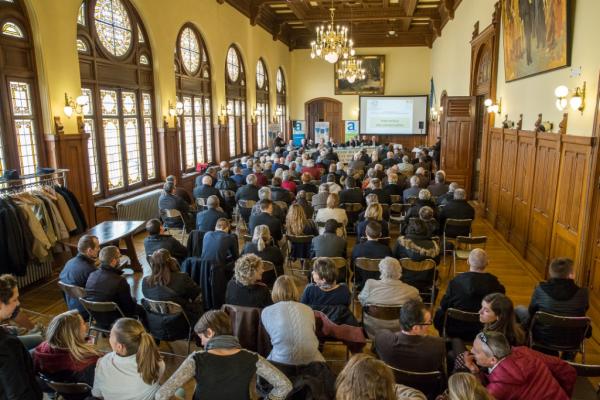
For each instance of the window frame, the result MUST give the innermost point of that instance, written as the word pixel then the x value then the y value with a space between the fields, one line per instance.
pixel 235 91
pixel 282 101
pixel 263 104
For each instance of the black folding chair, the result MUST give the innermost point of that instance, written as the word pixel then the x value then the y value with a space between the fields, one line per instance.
pixel 453 224
pixel 463 247
pixel 66 391
pixel 304 269
pixel 569 333
pixel 163 321
pixel 431 383
pixel 102 314
pixel 465 317
pixel 412 268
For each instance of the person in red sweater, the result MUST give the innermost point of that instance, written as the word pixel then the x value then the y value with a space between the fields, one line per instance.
pixel 66 356
pixel 313 170
pixel 519 373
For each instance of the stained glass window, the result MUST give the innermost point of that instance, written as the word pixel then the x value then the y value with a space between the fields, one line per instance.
pixel 129 103
pixel 132 145
pixel 208 130
pixel 22 111
pixel 144 60
pixel 281 101
pixel 81 15
pixel 89 128
pixel 279 81
pixel 109 102
pixel 141 38
pixel 190 50
pixel 82 47
pixel 262 104
pixel 113 26
pixel 2 166
pixel 260 74
pixel 193 131
pixel 148 134
pixel 112 145
pixel 233 64
pixel 12 29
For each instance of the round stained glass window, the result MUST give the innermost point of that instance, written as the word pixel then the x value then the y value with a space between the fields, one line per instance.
pixel 113 26
pixel 279 81
pixel 233 65
pixel 190 50
pixel 260 74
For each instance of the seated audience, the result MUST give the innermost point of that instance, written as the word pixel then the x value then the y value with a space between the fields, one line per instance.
pixel 439 187
pixel 519 373
pixel 280 194
pixel 365 377
pixel 288 182
pixel 291 326
pixel 443 199
pixel 373 213
pixel 249 191
pixel 17 376
pixel 458 208
pixel 375 188
pixel 207 219
pixel 331 170
pixel 406 168
pixel 224 370
pixel 319 200
pixel 333 211
pixel 108 284
pixel 225 182
pixel 65 355
pixel 265 193
pixel 326 295
pixel 133 369
pixel 245 288
pixel 77 270
pixel 266 218
pixel 426 214
pixel 465 386
pixel 424 200
pixel 179 191
pixel 169 201
pixel 329 244
pixel 497 314
pixel 261 178
pixel 372 199
pixel 297 224
pixel 412 191
pixel 312 170
pixel 388 290
pixel 351 193
pixel 206 189
pixel 238 177
pixel 393 187
pixel 220 246
pixel 465 292
pixel 372 248
pixel 412 348
pixel 262 245
pixel 306 185
pixel 333 185
pixel 156 240
pixel 168 283
pixel 302 201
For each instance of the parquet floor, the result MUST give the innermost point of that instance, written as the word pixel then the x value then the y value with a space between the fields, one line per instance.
pixel 514 272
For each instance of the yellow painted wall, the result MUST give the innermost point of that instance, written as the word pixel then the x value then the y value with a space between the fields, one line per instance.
pixel 451 56
pixel 406 73
pixel 221 25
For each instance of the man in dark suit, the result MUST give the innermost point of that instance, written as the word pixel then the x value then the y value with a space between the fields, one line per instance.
pixel 351 194
pixel 156 240
pixel 458 208
pixel 206 190
pixel 389 160
pixel 375 188
pixel 249 167
pixel 169 201
pixel 370 249
pixel 207 219
pixel 440 187
pixel 248 191
pixel 465 293
pixel 210 172
pixel 219 246
pixel 445 198
pixel 393 188
pixel 328 244
pixel 331 170
pixel 77 270
pixel 238 177
pixel 306 185
pixel 108 284
pixel 413 190
pixel 266 218
pixel 278 193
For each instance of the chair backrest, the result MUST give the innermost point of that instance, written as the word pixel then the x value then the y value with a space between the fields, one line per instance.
pixel 573 329
pixel 412 200
pixel 282 204
pixel 395 198
pixel 367 264
pixel 73 291
pixel 385 208
pixel 471 241
pixel 458 223
pixel 101 306
pixel 226 193
pixel 63 388
pixel 102 313
pixel 430 383
pixel 246 203
pixel 586 370
pixel 399 209
pixel 162 307
pixel 352 207
pixel 200 202
pixel 417 266
pixel 384 312
pixel 309 196
pixel 339 262
pixel 300 239
pixel 268 266
pixel 172 213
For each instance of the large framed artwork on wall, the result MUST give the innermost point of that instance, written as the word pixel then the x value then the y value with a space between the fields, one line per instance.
pixel 536 36
pixel 373 83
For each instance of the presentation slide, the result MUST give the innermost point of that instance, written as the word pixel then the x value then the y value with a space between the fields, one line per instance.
pixel 393 115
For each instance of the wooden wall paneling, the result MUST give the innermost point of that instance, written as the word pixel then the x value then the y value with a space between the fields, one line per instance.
pixel 543 200
pixel 407 141
pixel 568 235
pixel 523 185
pixel 252 138
pixel 168 149
pixel 221 141
pixel 458 140
pixel 507 181
pixel 493 178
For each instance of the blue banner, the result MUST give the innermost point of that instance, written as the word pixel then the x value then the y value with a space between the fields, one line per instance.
pixel 298 131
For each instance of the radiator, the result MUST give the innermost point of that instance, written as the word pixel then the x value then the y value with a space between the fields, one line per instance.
pixel 139 208
pixel 35 272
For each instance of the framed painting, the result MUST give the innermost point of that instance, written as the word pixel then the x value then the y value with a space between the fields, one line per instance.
pixel 536 36
pixel 373 82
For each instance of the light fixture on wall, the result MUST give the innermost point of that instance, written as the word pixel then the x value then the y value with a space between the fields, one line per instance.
pixel 433 113
pixel 77 106
pixel 175 111
pixel 222 115
pixel 179 108
pixel 561 93
pixel 493 108
pixel 577 100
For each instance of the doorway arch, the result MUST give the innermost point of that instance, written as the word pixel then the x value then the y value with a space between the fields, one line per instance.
pixel 324 109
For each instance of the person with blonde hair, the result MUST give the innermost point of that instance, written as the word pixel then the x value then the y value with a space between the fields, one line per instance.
pixel 465 386
pixel 374 212
pixel 263 246
pixel 65 355
pixel 297 224
pixel 366 378
pixel 333 211
pixel 245 288
pixel 133 369
pixel 291 326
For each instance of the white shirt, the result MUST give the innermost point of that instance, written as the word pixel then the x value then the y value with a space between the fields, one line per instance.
pixel 117 378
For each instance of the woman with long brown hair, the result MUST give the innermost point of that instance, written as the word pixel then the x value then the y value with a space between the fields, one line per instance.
pixel 66 356
pixel 296 224
pixel 497 314
pixel 133 369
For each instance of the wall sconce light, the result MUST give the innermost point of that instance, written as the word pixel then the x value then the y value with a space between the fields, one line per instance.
pixel 222 115
pixel 75 106
pixel 177 110
pixel 561 93
pixel 433 113
pixel 493 108
pixel 577 101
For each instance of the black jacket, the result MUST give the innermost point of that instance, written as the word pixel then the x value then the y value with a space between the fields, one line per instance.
pixel 456 209
pixel 273 223
pixel 207 219
pixel 16 239
pixel 181 290
pixel 383 197
pixel 354 195
pixel 328 245
pixel 270 253
pixel 155 242
pixel 412 191
pixel 17 377
pixel 76 272
pixel 257 295
pixel 220 248
pixel 281 194
pixel 438 189
pixel 205 191
pixel 394 189
pixel 168 201
pixel 247 192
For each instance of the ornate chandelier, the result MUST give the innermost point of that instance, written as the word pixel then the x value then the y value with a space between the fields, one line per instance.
pixel 351 70
pixel 333 43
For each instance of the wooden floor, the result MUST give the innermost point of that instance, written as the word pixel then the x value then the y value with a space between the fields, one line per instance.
pixel 517 275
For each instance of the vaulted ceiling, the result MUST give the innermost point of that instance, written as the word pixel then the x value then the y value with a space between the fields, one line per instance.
pixel 372 23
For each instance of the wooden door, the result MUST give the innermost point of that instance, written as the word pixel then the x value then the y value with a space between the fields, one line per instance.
pixel 324 109
pixel 493 177
pixel 507 182
pixel 458 140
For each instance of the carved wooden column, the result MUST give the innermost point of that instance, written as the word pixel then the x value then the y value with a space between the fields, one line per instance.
pixel 168 148
pixel 221 141
pixel 252 138
pixel 70 151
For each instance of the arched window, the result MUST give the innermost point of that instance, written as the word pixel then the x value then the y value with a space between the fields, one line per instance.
pixel 21 142
pixel 281 101
pixel 262 104
pixel 116 76
pixel 235 92
pixel 192 73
